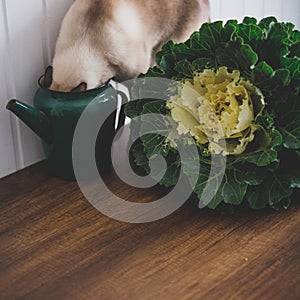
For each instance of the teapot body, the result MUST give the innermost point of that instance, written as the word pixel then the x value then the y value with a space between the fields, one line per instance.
pixel 63 110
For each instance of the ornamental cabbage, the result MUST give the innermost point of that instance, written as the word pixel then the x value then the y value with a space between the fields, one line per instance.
pixel 216 105
pixel 239 82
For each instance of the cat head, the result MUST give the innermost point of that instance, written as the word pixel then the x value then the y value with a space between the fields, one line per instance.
pixel 79 70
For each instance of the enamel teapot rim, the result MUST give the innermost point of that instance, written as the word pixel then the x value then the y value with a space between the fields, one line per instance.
pixel 66 95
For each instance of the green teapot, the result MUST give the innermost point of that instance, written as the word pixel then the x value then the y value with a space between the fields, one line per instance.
pixel 54 118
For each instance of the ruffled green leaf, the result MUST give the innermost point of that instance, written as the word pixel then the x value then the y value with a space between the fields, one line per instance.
pixel 291 133
pixel 132 109
pixel 266 23
pixel 210 185
pixel 268 154
pixel 254 198
pixel 250 32
pixel 213 190
pixel 289 123
pixel 233 188
pixel 185 69
pixel 276 188
pixel 155 143
pixel 237 56
pixel 208 38
pixel 140 158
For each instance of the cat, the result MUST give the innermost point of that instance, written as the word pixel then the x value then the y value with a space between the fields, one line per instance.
pixel 104 39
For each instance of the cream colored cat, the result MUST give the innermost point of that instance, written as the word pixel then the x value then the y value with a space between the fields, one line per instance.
pixel 104 39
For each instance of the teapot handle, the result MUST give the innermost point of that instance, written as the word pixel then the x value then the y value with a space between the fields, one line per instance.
pixel 122 116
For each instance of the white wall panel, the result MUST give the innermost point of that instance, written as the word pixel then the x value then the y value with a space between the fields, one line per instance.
pixel 54 13
pixel 291 12
pixel 28 31
pixel 232 9
pixel 7 152
pixel 26 65
pixel 254 8
pixel 215 9
pixel 283 10
pixel 273 8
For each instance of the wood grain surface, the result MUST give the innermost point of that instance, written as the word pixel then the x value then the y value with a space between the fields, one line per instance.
pixel 55 245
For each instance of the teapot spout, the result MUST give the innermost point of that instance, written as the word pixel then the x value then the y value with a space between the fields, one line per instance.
pixel 33 118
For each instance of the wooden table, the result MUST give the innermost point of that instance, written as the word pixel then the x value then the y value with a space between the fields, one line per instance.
pixel 55 245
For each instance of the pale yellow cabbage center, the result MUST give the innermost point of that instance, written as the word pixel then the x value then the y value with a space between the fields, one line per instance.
pixel 214 106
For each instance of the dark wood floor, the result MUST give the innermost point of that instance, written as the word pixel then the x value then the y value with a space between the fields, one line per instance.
pixel 55 245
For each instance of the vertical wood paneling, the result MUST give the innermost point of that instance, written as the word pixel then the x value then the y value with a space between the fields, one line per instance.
pixel 26 64
pixel 55 11
pixel 273 8
pixel 215 10
pixel 283 10
pixel 7 150
pixel 254 8
pixel 28 31
pixel 232 9
pixel 292 12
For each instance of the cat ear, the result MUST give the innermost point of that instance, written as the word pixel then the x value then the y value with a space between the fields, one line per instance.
pixel 82 87
pixel 48 77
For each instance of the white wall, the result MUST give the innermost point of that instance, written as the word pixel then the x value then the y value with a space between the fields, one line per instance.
pixel 28 30
pixel 283 10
